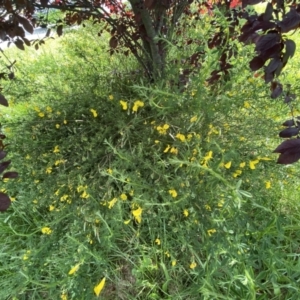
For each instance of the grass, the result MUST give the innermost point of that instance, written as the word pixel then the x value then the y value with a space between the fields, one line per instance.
pixel 167 195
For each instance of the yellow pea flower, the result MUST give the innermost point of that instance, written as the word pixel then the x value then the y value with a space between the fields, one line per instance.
pixel 112 203
pixel 124 105
pixel 46 230
pixel 167 149
pixel 74 269
pixel 242 164
pixel 227 165
pixel 173 193
pixel 157 242
pixel 193 119
pixel 137 213
pixel 211 231
pixel 180 137
pixel 56 149
pixel 94 112
pixel 123 197
pixel 136 105
pixel 268 184
pixel 99 287
pixel 252 164
pixel 193 265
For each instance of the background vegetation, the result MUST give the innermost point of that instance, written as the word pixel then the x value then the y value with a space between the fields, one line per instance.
pixel 167 193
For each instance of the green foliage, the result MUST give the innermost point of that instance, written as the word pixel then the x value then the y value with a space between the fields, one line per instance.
pixel 168 194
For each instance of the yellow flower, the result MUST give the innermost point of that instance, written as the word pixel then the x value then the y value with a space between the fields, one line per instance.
pixel 111 97
pixel 247 104
pixel 84 195
pixel 57 126
pixel 189 136
pixel 109 171
pixel 49 109
pixel 163 129
pixel 137 104
pixel 26 255
pixel 123 197
pixel 94 112
pixel 268 184
pixel 64 296
pixel 193 265
pixel 180 137
pixel 65 122
pixel 157 241
pixel 112 203
pixel 64 198
pixel 242 164
pixel 56 149
pixel 211 231
pixel 59 161
pixel 220 203
pixel 131 193
pixel 207 157
pixel 41 114
pixel 28 156
pixel 137 213
pixel 173 193
pixel 207 207
pixel 156 141
pixel 252 164
pixel 185 212
pixel 193 119
pixel 124 105
pixel 174 150
pixel 99 287
pixel 81 188
pixel 167 149
pixel 49 170
pixel 127 222
pixel 74 269
pixel 51 207
pixel 174 262
pixel 46 230
pixel 237 173
pixel 227 165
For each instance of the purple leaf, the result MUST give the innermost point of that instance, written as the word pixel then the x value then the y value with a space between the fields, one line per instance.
pixel 288 158
pixel 289 123
pixel 3 100
pixel 288 145
pixel 26 24
pixel 4 165
pixel 291 21
pixel 2 154
pixel 4 202
pixel 276 89
pixel 256 63
pixel 10 175
pixel 289 132
pixel 267 41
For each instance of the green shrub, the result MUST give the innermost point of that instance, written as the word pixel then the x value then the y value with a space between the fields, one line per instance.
pixel 166 194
